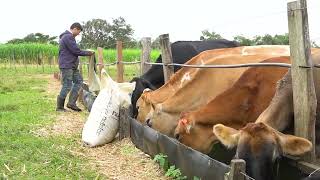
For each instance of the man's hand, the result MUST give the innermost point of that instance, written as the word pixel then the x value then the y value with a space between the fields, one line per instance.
pixel 91 53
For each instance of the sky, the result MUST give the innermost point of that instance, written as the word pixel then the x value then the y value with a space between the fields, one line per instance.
pixel 181 19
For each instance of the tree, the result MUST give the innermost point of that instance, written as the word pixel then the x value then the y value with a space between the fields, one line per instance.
pixel 36 38
pixel 123 32
pixel 100 33
pixel 243 41
pixel 206 35
pixel 96 33
pixel 281 39
pixel 263 40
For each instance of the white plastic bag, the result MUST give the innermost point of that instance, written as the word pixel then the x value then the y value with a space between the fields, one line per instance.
pixel 103 121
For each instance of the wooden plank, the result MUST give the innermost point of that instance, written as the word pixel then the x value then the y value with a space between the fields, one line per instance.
pixel 304 96
pixel 100 60
pixel 166 55
pixel 303 166
pixel 145 55
pixel 238 166
pixel 120 64
pixel 124 123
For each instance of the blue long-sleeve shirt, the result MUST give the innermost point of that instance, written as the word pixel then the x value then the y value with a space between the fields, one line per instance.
pixel 69 51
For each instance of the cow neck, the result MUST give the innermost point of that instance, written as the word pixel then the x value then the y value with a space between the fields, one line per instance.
pixel 280 111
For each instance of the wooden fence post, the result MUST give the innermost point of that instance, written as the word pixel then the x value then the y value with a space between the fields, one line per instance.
pixel 100 60
pixel 145 54
pixel 166 55
pixel 237 166
pixel 304 97
pixel 124 123
pixel 120 64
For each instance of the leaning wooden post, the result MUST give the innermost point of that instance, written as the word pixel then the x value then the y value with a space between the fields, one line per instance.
pixel 145 54
pixel 124 123
pixel 238 166
pixel 100 60
pixel 166 55
pixel 304 97
pixel 119 64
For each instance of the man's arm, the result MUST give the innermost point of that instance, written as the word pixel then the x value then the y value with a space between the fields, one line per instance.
pixel 72 46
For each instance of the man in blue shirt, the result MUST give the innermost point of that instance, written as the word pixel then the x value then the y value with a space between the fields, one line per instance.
pixel 68 64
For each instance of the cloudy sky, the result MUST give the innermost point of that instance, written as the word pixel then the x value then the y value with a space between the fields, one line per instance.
pixel 182 19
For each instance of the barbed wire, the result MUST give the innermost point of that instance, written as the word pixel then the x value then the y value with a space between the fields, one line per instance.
pixel 244 174
pixel 313 172
pixel 212 66
pixel 247 176
pixel 114 63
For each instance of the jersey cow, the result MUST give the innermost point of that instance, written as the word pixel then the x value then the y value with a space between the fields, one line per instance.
pixel 235 107
pixel 201 86
pixel 262 142
pixel 182 51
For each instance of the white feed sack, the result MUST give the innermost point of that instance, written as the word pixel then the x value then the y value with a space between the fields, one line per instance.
pixel 103 121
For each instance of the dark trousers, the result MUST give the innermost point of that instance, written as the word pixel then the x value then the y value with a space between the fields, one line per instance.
pixel 71 80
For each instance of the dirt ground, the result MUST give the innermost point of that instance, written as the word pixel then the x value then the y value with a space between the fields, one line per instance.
pixel 116 160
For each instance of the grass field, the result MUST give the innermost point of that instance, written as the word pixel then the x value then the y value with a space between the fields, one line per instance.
pixel 26 107
pixel 28 53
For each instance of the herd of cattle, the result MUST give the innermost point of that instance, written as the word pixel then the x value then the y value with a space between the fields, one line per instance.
pixel 246 108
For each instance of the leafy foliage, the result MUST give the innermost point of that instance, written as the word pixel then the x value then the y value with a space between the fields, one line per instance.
pixel 100 33
pixel 162 160
pixel 175 173
pixel 170 171
pixel 27 51
pixel 206 35
pixel 35 38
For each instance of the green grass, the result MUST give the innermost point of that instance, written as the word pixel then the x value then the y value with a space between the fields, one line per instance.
pixel 28 53
pixel 25 107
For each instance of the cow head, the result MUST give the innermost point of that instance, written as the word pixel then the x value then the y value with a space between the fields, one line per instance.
pixel 144 107
pixel 196 136
pixel 141 85
pixel 162 121
pixel 260 146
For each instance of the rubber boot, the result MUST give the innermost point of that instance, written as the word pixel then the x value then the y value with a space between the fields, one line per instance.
pixel 60 104
pixel 72 102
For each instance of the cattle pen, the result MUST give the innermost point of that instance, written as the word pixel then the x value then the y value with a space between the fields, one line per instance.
pixel 193 163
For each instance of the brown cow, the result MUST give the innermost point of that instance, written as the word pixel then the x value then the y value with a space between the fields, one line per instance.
pixel 235 107
pixel 146 103
pixel 261 143
pixel 204 86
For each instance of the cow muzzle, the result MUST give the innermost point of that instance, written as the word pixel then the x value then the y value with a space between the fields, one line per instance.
pixel 149 122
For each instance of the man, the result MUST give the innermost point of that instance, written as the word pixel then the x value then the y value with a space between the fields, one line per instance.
pixel 68 64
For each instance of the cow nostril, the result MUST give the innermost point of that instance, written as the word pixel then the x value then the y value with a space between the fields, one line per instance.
pixel 177 136
pixel 149 123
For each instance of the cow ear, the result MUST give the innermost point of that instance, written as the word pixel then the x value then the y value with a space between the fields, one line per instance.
pixel 226 135
pixel 293 145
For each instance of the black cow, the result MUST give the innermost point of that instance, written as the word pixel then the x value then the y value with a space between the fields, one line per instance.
pixel 182 51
